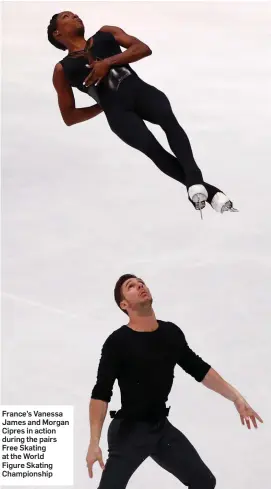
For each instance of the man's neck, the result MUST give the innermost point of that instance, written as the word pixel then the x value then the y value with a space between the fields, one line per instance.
pixel 146 322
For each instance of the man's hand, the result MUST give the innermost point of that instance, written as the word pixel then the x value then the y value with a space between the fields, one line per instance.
pixel 246 412
pixel 94 455
pixel 99 71
pixel 214 381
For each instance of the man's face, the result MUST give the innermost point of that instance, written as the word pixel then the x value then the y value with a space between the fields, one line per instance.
pixel 69 24
pixel 136 295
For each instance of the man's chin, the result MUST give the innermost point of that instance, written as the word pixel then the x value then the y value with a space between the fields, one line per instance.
pixel 146 301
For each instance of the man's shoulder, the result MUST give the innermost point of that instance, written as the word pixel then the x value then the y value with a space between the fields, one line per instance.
pixel 116 335
pixel 170 327
pixel 168 324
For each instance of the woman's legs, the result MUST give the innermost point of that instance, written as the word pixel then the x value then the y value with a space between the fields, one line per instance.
pixel 130 127
pixel 153 106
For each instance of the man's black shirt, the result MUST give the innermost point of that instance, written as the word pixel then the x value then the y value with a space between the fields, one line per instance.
pixel 143 363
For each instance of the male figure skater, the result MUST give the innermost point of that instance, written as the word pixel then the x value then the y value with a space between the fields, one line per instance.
pixel 99 68
pixel 142 356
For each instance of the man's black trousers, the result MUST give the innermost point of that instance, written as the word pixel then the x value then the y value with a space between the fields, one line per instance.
pixel 130 443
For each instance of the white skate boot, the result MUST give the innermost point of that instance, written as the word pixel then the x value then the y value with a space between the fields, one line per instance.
pixel 221 203
pixel 198 195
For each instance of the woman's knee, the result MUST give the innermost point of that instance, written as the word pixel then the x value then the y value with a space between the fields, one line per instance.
pixel 164 110
pixel 165 116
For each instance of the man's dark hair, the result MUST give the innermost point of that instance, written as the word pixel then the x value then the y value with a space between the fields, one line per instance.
pixel 50 30
pixel 117 291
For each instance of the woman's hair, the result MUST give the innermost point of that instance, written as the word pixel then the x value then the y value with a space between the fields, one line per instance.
pixel 52 27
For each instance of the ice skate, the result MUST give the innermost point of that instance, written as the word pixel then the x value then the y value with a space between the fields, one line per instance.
pixel 198 196
pixel 221 203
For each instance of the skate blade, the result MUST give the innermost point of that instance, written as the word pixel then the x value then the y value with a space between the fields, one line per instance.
pixel 199 206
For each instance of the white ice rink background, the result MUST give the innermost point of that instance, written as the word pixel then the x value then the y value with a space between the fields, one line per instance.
pixel 81 208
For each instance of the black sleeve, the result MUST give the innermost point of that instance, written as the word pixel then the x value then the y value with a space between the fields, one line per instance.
pixel 107 372
pixel 188 360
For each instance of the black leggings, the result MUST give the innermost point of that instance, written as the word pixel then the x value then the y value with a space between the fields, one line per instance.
pixel 126 110
pixel 129 446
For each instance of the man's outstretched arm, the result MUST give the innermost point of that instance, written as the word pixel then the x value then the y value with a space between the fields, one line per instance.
pixel 215 382
pixel 70 114
pixel 194 365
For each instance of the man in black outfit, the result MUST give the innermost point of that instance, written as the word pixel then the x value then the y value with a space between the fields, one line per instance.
pixel 142 355
pixel 99 68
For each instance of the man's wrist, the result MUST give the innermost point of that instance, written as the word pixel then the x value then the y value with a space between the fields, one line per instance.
pixel 94 441
pixel 237 397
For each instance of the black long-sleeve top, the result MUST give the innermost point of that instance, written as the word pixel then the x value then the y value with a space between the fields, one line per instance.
pixel 143 363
